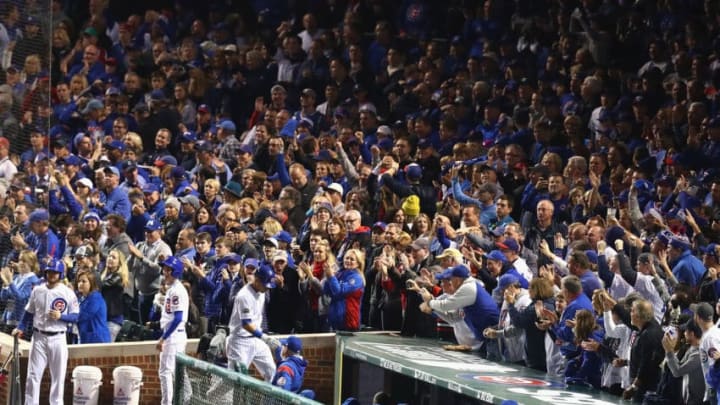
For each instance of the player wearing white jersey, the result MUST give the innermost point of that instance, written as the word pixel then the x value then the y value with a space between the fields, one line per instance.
pixel 51 307
pixel 246 343
pixel 172 322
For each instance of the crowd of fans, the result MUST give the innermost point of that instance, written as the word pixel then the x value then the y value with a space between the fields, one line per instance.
pixel 537 176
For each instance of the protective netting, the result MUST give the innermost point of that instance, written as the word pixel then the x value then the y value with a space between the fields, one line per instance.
pixel 201 383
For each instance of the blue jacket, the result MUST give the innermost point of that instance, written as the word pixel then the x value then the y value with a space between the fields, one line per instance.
pixel 688 269
pixel 290 373
pixel 586 368
pixel 92 319
pixel 17 295
pixel 345 290
pixel 44 245
pixel 483 313
pixel 117 202
pixel 212 285
pixel 564 332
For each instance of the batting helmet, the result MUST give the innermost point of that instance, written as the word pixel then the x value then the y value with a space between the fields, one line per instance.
pixel 55 265
pixel 175 266
pixel 266 274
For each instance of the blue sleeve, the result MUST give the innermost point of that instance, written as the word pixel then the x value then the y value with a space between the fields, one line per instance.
pixel 55 207
pixel 365 153
pixel 461 197
pixel 70 318
pixel 177 318
pixel 123 208
pixel 442 237
pixel 282 170
pixel 21 293
pixel 90 309
pixel 340 290
pixel 563 331
pixel 26 321
pixel 72 202
pixel 286 378
pixel 136 226
pixel 667 205
pixel 395 186
pixel 604 272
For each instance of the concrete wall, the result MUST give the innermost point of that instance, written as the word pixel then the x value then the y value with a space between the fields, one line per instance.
pixel 318 349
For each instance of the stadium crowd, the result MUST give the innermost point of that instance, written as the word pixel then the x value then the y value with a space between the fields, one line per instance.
pixel 536 180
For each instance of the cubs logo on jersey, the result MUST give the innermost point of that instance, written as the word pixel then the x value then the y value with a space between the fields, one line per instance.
pixel 59 304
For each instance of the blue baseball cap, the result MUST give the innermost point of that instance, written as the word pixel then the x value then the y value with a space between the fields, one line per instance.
pixel 460 270
pixel 153 225
pixel 380 225
pixel 497 256
pixel 151 188
pixel 227 125
pixel 293 343
pixel 72 160
pixel 111 170
pixel 188 137
pixel 710 249
pixel 251 262
pixel 508 244
pixel 506 280
pixel 283 236
pixel 119 145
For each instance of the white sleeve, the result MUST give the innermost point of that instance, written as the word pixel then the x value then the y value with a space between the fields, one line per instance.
pixel 463 297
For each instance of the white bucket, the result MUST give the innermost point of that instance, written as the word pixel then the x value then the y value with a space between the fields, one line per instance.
pixel 86 383
pixel 127 381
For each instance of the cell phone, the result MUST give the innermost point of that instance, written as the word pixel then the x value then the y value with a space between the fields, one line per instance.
pixel 612 212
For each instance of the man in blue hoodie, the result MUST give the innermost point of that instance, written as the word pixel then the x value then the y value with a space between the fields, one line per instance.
pixel 291 365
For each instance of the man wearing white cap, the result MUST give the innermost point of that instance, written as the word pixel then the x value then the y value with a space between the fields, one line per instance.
pixel 335 193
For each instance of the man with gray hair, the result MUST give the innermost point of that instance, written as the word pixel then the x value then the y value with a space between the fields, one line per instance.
pixel 646 353
pixel 572 289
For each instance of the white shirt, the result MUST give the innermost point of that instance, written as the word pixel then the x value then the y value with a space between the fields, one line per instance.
pixel 176 299
pixel 249 304
pixel 456 319
pixel 44 299
pixel 7 170
pixel 710 341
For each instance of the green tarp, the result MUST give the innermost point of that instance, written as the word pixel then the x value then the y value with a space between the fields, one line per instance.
pixel 467 374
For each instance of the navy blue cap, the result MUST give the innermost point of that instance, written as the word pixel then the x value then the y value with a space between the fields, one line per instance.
pixel 460 270
pixel 710 249
pixel 166 160
pixel 204 146
pixel 128 165
pixel 188 136
pixel 72 160
pixel 119 145
pixel 157 95
pixel 111 170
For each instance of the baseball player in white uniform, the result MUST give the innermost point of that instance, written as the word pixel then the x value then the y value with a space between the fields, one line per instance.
pixel 51 307
pixel 246 343
pixel 172 322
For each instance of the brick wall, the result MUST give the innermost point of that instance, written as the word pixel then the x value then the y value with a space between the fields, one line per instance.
pixel 318 349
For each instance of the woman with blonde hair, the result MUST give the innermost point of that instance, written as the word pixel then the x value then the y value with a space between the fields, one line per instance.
pixel 345 289
pixel 19 280
pixel 271 226
pixel 312 278
pixel 116 290
pixel 211 194
pixel 248 206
